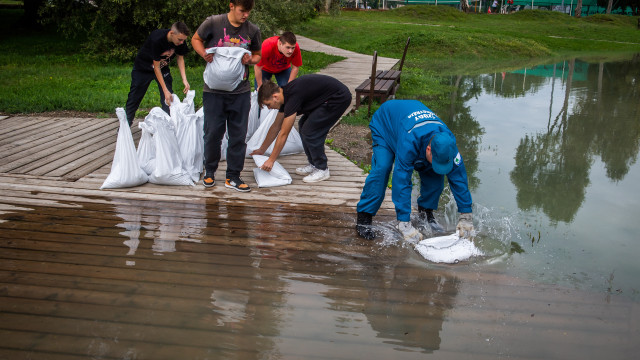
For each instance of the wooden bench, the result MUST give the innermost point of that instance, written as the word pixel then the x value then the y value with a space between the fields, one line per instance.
pixel 394 74
pixel 381 84
pixel 374 87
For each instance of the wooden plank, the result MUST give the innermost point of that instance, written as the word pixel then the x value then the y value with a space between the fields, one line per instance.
pixel 86 162
pixel 93 141
pixel 49 136
pixel 92 163
pixel 62 145
pixel 37 124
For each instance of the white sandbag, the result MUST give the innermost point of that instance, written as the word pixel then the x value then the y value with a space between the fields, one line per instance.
pixel 226 71
pixel 254 116
pixel 185 121
pixel 278 175
pixel 447 249
pixel 147 147
pixel 267 117
pixel 125 169
pixel 190 150
pixel 169 169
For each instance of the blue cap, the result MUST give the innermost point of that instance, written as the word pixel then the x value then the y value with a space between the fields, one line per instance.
pixel 443 152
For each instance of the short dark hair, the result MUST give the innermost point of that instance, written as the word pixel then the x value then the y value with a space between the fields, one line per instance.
pixel 266 91
pixel 288 37
pixel 181 28
pixel 246 4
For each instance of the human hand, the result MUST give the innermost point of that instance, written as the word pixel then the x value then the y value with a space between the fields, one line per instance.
pixel 409 233
pixel 257 151
pixel 465 225
pixel 246 59
pixel 168 97
pixel 207 57
pixel 267 165
pixel 187 87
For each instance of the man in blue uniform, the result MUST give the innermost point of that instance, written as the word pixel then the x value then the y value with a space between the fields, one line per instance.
pixel 411 136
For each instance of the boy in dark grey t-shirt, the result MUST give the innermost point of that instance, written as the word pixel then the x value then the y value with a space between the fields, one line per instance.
pixel 228 110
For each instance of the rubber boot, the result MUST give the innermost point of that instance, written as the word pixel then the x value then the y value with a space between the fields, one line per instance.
pixel 431 219
pixel 363 226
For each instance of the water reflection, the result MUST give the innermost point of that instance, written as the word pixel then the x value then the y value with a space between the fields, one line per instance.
pixel 165 226
pixel 598 117
pixel 552 167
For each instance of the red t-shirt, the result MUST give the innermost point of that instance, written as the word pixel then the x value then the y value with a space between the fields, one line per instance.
pixel 273 60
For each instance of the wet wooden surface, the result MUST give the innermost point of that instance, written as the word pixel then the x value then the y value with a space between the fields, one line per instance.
pixel 116 278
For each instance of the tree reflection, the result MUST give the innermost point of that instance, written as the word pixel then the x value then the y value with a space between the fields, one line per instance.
pixel 552 168
pixel 464 126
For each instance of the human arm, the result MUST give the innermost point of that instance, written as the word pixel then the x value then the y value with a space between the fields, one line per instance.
pixel 163 85
pixel 198 46
pixel 281 127
pixel 252 59
pixel 257 71
pixel 183 74
pixel 459 188
pixel 294 73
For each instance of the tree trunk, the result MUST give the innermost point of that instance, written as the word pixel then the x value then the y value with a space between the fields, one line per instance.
pixel 327 5
pixel 579 8
pixel 464 6
pixel 609 5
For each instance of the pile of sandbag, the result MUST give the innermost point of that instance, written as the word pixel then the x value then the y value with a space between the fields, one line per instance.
pixel 170 151
pixel 171 147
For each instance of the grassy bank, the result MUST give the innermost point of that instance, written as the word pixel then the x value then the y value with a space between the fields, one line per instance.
pixel 42 72
pixel 446 42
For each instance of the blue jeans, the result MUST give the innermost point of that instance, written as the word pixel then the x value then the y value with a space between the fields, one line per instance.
pixel 282 78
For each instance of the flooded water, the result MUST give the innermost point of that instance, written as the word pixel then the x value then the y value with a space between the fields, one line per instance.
pixel 551 153
pixel 552 157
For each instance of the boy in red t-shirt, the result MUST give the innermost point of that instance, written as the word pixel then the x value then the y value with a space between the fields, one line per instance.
pixel 280 57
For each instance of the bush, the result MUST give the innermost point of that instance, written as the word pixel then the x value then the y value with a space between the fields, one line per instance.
pixel 117 28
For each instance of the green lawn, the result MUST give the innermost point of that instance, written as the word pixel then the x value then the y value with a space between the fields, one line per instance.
pixel 41 72
pixel 446 42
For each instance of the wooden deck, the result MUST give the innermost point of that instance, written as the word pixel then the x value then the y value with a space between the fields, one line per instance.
pixel 74 155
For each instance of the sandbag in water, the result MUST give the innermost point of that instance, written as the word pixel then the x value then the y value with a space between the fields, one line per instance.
pixel 448 249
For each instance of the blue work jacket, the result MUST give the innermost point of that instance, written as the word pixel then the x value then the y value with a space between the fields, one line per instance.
pixel 406 126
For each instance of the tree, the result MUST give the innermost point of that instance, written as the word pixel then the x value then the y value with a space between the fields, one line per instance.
pixel 579 8
pixel 621 5
pixel 118 27
pixel 464 5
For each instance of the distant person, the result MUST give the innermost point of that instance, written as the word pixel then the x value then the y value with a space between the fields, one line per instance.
pixel 408 136
pixel 494 7
pixel 281 58
pixel 509 5
pixel 227 111
pixel 321 100
pixel 152 63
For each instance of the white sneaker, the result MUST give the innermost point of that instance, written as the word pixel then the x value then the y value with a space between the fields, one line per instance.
pixel 305 170
pixel 317 175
